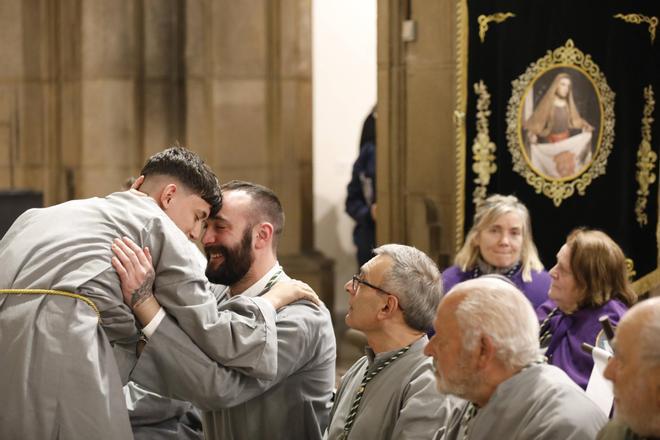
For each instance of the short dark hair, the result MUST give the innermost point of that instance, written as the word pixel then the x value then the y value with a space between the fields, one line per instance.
pixel 190 170
pixel 265 205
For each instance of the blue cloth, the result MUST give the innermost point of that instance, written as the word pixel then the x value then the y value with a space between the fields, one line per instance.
pixel 361 194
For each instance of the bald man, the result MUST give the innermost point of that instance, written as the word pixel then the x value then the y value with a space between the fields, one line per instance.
pixel 635 373
pixel 486 351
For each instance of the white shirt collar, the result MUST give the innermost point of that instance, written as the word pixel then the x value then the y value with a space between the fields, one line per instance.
pixel 258 287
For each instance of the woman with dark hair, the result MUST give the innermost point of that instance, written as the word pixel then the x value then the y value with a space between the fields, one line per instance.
pixel 589 280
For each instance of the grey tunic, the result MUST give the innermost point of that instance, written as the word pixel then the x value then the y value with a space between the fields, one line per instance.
pixel 154 417
pixel 400 402
pixel 62 373
pixel 615 430
pixel 540 402
pixel 294 405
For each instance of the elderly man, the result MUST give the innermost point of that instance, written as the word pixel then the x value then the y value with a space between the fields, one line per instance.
pixel 486 351
pixel 389 393
pixel 635 372
pixel 68 341
pixel 241 246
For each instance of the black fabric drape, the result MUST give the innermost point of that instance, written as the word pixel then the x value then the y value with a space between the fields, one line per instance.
pixel 629 61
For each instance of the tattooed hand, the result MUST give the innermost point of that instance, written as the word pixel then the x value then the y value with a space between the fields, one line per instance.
pixel 135 270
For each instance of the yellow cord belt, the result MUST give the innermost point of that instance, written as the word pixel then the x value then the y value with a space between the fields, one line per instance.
pixel 86 300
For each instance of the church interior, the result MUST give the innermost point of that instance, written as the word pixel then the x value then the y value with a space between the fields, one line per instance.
pixel 277 92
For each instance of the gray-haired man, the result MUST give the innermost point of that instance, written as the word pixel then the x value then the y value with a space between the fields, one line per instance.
pixel 635 372
pixel 390 392
pixel 486 351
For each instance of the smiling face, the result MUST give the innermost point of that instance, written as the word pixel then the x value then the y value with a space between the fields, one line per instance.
pixel 500 242
pixel 563 289
pixel 228 240
pixel 456 371
pixel 364 302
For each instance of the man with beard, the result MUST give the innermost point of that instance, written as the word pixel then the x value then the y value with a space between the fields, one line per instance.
pixel 486 351
pixel 390 392
pixel 241 246
pixel 635 373
pixel 67 340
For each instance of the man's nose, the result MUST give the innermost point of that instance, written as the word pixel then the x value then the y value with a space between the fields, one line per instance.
pixel 195 232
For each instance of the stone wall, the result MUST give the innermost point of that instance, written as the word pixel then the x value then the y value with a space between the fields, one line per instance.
pixel 89 89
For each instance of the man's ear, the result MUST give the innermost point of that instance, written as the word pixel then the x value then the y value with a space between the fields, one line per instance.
pixel 138 183
pixel 167 195
pixel 388 308
pixel 486 351
pixel 264 238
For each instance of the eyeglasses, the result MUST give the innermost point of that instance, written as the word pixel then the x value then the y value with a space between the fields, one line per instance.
pixel 357 281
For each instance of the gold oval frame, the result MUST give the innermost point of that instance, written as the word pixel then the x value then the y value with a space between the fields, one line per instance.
pixel 560 189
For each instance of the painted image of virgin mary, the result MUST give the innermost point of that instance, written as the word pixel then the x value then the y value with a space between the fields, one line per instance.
pixel 559 140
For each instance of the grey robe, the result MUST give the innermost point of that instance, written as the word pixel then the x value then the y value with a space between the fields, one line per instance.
pixel 616 430
pixel 294 405
pixel 154 417
pixel 400 402
pixel 540 402
pixel 59 376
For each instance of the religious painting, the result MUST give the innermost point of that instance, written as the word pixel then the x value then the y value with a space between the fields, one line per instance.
pixel 556 132
pixel 560 122
pixel 566 118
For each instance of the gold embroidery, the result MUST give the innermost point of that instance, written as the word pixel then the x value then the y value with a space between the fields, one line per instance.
pixel 630 268
pixel 459 117
pixel 484 20
pixel 483 149
pixel 646 159
pixel 639 19
pixel 561 187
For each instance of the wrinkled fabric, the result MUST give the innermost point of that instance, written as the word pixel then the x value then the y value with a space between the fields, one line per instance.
pixel 570 331
pixel 535 290
pixel 154 417
pixel 541 402
pixel 293 405
pixel 615 430
pixel 62 373
pixel 400 402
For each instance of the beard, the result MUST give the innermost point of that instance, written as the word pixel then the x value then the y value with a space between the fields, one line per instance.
pixel 236 262
pixel 462 382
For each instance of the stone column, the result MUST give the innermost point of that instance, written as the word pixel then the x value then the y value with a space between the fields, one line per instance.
pixel 108 89
pixel 416 195
pixel 248 88
pixel 29 96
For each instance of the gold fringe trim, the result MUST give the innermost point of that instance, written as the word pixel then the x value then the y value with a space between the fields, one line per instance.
pixel 462 31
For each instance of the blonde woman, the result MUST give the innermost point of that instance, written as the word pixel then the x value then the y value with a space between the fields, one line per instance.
pixel 500 241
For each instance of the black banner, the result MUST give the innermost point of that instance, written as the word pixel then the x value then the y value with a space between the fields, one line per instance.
pixel 560 110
